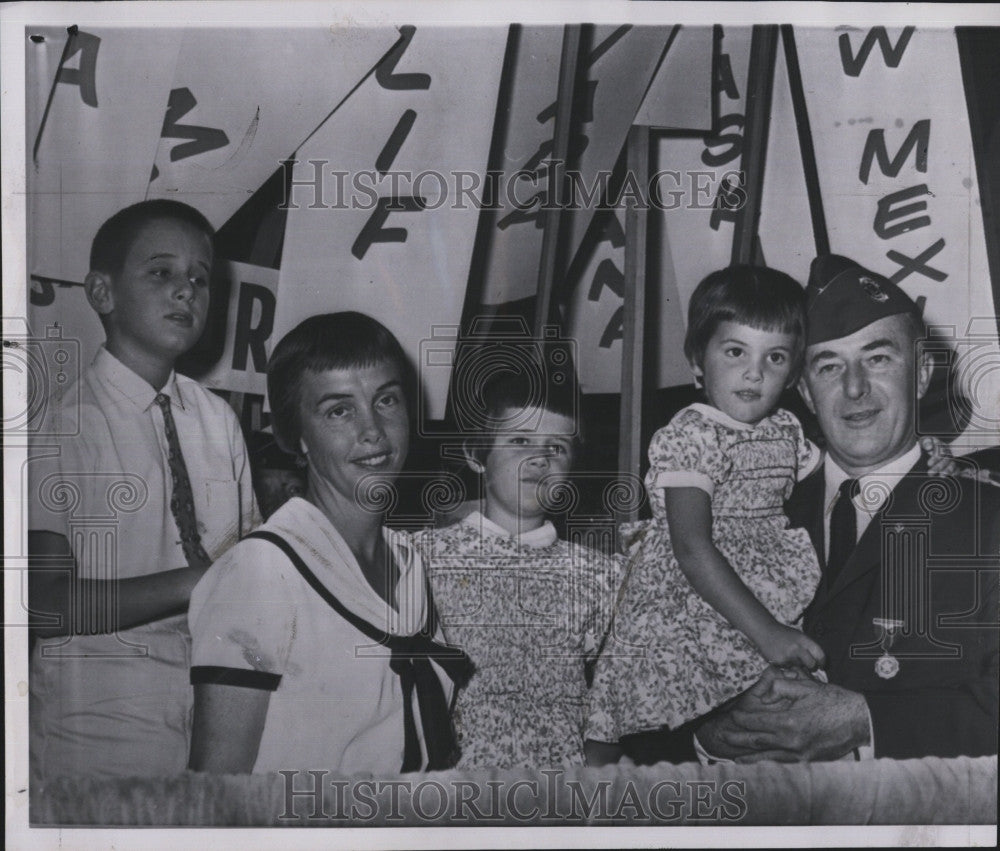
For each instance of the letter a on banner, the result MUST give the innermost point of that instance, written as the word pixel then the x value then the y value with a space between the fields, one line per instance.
pixel 94 107
pixel 679 98
pixel 390 234
pixel 698 221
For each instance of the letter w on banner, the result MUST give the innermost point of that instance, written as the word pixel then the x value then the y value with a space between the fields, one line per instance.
pixel 378 220
pixel 898 178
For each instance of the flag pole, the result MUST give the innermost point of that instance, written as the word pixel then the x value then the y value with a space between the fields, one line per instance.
pixel 760 84
pixel 978 56
pixel 557 175
pixel 633 313
pixel 821 236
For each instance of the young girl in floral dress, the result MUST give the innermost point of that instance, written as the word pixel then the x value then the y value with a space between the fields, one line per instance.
pixel 527 607
pixel 717 581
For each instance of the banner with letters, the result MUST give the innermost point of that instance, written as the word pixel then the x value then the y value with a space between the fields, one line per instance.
pixel 239 106
pixel 896 168
pixel 679 98
pixel 695 231
pixel 390 129
pixel 205 116
pixel 94 105
pixel 390 234
pixel 615 68
pixel 253 298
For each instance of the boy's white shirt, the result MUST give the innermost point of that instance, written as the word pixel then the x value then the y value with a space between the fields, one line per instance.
pixel 104 457
pixel 113 428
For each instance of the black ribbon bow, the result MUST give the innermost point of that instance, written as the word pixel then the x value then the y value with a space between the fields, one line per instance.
pixel 410 660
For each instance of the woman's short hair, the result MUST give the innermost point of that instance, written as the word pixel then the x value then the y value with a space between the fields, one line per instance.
pixel 345 340
pixel 749 295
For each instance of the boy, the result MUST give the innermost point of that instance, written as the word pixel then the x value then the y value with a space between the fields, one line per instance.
pixel 528 608
pixel 127 514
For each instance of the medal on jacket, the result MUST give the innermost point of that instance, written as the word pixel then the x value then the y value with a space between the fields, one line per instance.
pixel 887 665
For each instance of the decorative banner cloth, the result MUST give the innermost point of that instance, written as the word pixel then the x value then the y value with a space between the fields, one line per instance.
pixel 785 226
pixel 696 235
pixel 375 221
pixel 94 104
pixel 243 100
pixel 253 300
pixel 895 159
pixel 680 97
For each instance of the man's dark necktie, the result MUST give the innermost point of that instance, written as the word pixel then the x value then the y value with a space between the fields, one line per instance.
pixel 843 529
pixel 181 496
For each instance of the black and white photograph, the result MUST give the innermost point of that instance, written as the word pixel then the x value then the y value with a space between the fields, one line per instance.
pixel 543 424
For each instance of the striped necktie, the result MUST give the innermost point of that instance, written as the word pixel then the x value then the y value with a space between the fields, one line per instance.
pixel 181 496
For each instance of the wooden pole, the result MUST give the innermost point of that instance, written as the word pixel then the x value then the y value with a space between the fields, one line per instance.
pixel 557 175
pixel 760 83
pixel 821 237
pixel 979 57
pixel 633 314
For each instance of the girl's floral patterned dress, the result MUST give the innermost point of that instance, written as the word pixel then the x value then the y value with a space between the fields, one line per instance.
pixel 674 657
pixel 529 611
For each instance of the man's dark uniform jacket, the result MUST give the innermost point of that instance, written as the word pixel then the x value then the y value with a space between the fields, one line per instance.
pixel 930 559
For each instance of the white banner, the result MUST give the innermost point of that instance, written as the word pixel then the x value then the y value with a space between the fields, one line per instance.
pixel 253 298
pixel 785 226
pixel 617 72
pixel 614 70
pixel 893 147
pixel 377 222
pixel 94 108
pixel 679 97
pixel 514 249
pixel 243 100
pixel 697 234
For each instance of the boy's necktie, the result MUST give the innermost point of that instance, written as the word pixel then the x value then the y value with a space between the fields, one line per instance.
pixel 181 497
pixel 843 528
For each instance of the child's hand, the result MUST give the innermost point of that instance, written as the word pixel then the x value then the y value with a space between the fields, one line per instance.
pixel 768 688
pixel 939 459
pixel 783 645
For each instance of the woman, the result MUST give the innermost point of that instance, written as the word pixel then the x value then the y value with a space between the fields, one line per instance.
pixel 311 637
